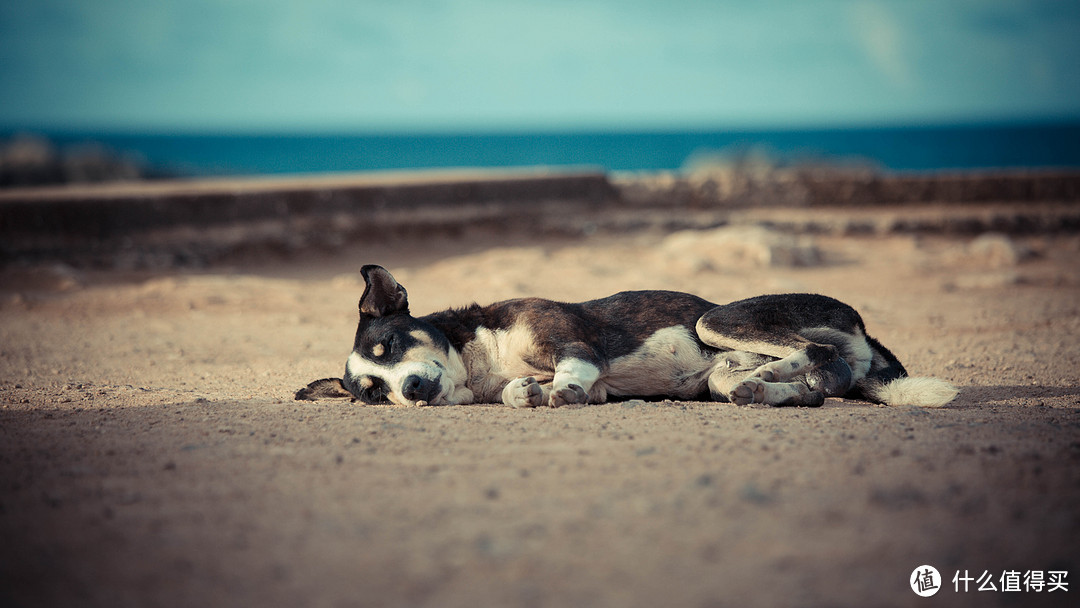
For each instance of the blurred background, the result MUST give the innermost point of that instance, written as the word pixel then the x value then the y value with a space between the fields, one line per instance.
pixel 126 88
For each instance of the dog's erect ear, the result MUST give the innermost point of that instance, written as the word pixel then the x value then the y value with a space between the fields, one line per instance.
pixel 327 387
pixel 383 295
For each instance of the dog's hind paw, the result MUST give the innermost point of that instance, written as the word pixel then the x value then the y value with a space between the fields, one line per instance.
pixel 810 399
pixel 767 375
pixel 523 392
pixel 748 391
pixel 571 395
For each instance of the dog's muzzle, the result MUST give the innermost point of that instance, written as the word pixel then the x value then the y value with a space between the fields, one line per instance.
pixel 420 390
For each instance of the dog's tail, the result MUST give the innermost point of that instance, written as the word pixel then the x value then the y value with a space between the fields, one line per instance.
pixel 920 391
pixel 887 382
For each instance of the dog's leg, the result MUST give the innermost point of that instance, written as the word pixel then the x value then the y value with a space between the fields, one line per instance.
pixel 740 328
pixel 461 396
pixel 731 367
pixel 728 381
pixel 769 382
pixel 756 390
pixel 574 379
pixel 523 392
pixel 806 357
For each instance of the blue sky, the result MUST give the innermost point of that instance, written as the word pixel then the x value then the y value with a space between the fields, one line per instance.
pixel 254 65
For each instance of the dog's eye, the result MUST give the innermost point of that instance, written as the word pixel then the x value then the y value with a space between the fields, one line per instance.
pixel 384 348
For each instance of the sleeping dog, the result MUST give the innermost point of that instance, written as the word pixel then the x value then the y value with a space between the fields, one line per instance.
pixel 781 350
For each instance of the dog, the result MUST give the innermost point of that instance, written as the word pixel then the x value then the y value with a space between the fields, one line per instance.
pixel 777 350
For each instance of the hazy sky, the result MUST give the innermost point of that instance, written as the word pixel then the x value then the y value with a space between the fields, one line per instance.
pixel 518 64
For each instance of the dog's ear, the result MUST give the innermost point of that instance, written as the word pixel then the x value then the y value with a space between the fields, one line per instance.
pixel 327 387
pixel 383 295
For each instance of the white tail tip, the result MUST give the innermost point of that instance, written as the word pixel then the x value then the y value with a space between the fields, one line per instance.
pixel 917 391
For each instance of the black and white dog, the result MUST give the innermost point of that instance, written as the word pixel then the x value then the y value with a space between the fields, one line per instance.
pixel 793 349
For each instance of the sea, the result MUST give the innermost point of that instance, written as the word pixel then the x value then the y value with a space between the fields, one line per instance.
pixel 912 148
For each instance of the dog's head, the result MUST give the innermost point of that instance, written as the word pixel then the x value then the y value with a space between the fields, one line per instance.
pixel 396 358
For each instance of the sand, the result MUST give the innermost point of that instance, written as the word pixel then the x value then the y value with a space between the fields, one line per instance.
pixel 151 452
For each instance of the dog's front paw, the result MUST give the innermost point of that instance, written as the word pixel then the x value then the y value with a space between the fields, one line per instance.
pixel 571 395
pixel 748 391
pixel 523 392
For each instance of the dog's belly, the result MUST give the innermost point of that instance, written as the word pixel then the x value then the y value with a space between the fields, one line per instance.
pixel 671 363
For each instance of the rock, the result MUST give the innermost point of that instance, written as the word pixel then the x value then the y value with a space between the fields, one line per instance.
pixel 996 250
pixel 757 246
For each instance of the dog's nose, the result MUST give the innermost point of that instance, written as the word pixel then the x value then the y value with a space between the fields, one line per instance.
pixel 417 388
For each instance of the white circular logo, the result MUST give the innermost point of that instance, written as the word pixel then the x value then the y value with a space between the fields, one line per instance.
pixel 925 581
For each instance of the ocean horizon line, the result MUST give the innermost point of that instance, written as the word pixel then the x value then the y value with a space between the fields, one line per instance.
pixel 7 130
pixel 916 147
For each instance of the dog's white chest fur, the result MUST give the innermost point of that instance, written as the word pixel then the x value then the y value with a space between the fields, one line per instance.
pixel 496 356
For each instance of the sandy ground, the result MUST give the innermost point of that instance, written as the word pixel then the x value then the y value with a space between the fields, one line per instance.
pixel 151 453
